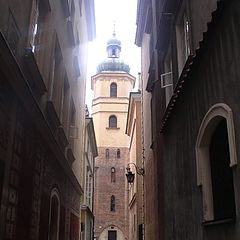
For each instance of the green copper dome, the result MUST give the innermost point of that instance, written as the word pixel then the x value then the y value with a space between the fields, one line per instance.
pixel 113 62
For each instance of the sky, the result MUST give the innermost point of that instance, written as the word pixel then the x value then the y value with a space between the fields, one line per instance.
pixel 123 14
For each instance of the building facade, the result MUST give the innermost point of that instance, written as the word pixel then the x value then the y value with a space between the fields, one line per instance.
pixel 111 85
pixel 87 217
pixel 192 77
pixel 136 162
pixel 43 55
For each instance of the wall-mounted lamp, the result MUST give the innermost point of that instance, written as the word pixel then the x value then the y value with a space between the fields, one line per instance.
pixel 130 175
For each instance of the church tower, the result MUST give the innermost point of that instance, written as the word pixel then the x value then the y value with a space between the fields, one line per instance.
pixel 111 86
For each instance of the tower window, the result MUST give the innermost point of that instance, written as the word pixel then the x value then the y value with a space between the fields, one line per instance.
pixel 113 90
pixel 112 207
pixel 118 153
pixel 114 52
pixel 112 121
pixel 113 174
pixel 107 153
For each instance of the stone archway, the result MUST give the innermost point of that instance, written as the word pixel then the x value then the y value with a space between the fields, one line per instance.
pixel 111 233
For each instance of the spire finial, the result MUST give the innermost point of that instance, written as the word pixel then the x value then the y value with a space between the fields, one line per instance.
pixel 114 30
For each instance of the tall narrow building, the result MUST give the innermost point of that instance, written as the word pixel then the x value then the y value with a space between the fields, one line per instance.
pixel 111 85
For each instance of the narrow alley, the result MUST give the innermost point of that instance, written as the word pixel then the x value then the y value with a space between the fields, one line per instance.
pixel 119 120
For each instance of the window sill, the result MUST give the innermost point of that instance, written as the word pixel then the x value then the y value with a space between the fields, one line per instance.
pixel 109 128
pixel 218 222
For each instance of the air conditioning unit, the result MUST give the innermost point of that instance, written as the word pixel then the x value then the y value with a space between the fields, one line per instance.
pixel 166 80
pixel 73 132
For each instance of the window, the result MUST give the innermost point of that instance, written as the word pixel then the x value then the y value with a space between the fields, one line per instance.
pixel 34 24
pixel 140 231
pixel 118 153
pixel 183 39
pixel 39 17
pixel 166 77
pixel 72 126
pixel 107 153
pixel 55 90
pixel 88 187
pixel 112 121
pixel 13 34
pixel 76 67
pixel 54 216
pixel 113 90
pixel 64 102
pixel 113 52
pixel 215 155
pixel 80 7
pixel 73 12
pixel 113 175
pixel 112 207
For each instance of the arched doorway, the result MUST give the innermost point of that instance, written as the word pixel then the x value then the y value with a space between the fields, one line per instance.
pixel 54 215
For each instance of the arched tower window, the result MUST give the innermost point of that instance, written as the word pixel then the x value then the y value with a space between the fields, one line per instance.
pixel 114 52
pixel 54 215
pixel 118 153
pixel 113 175
pixel 215 155
pixel 112 121
pixel 107 153
pixel 113 90
pixel 113 204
